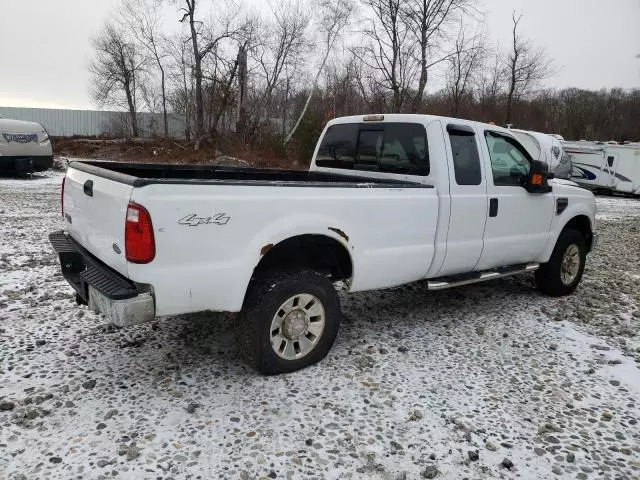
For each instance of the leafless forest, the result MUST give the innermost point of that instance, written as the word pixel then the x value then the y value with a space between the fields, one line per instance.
pixel 269 75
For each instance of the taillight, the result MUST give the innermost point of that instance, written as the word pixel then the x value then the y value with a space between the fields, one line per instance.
pixel 64 179
pixel 139 244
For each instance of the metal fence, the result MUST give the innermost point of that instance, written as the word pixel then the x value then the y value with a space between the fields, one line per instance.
pixel 67 123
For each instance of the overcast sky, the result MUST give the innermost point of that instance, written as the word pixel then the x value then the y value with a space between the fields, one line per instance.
pixel 45 44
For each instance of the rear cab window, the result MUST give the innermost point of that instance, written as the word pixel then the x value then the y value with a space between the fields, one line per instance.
pixel 391 147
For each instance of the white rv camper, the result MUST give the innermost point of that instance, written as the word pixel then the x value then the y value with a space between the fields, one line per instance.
pixel 547 149
pixel 605 166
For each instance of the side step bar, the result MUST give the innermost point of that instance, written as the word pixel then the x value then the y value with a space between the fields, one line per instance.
pixel 456 281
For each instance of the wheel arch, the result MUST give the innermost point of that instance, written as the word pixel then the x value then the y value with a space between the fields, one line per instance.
pixel 581 223
pixel 577 220
pixel 318 252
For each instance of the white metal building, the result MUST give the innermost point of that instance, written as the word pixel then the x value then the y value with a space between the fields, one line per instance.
pixel 67 123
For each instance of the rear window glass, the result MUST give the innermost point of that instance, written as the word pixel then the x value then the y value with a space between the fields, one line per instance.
pixel 385 147
pixel 466 161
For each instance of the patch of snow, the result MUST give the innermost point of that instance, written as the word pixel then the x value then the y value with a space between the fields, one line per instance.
pixel 47 179
pixel 616 365
pixel 613 208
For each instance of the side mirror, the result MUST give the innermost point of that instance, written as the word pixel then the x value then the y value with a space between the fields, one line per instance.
pixel 537 179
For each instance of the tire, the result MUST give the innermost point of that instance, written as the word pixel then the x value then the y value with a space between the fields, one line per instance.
pixel 258 326
pixel 549 277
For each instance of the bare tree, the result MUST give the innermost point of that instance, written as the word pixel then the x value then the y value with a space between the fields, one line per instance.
pixel 388 49
pixel 334 17
pixel 279 51
pixel 142 19
pixel 464 62
pixel 490 87
pixel 225 94
pixel 203 42
pixel 525 67
pixel 429 22
pixel 181 79
pixel 115 70
pixel 492 81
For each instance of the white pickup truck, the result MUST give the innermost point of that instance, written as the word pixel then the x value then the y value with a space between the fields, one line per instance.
pixel 389 199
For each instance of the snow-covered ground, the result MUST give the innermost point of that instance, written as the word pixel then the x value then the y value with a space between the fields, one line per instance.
pixel 617 207
pixel 489 381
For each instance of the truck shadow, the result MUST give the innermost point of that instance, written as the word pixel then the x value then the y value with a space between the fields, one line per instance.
pixel 207 340
pixel 413 306
pixel 199 351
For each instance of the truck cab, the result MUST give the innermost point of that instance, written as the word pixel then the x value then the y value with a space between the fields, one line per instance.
pixel 488 214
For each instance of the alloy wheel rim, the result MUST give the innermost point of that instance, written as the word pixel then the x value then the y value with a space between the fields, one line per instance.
pixel 297 326
pixel 570 265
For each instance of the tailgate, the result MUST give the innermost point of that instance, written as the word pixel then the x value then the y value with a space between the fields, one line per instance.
pixel 95 210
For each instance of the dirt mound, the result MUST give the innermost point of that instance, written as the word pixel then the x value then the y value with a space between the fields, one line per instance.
pixel 170 151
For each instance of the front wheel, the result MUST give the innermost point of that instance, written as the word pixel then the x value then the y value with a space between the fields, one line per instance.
pixel 562 273
pixel 289 321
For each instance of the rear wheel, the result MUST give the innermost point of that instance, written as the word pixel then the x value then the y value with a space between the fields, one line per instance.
pixel 289 321
pixel 563 272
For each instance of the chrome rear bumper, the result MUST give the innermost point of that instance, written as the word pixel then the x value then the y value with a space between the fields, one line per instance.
pixel 103 289
pixel 130 311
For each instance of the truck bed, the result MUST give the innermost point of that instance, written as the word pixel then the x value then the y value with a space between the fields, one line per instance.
pixel 213 225
pixel 141 174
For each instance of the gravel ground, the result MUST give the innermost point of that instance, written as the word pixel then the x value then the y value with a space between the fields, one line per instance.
pixel 489 381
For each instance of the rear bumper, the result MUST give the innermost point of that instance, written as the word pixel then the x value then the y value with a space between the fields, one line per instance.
pixel 25 163
pixel 102 288
pixel 130 311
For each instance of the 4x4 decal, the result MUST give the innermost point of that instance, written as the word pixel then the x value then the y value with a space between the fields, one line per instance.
pixel 193 220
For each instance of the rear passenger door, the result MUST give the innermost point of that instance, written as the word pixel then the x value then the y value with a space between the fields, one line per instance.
pixel 468 198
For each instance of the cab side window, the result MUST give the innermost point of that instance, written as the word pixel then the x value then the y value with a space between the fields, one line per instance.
pixel 466 161
pixel 510 163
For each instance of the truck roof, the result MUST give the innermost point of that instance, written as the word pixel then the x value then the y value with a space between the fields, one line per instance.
pixel 412 118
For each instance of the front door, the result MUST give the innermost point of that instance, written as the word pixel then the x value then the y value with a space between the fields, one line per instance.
pixel 518 225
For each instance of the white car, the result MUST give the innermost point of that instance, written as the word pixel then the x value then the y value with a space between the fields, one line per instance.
pixel 24 146
pixel 388 200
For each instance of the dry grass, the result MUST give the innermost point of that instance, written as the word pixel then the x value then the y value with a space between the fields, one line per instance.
pixel 169 151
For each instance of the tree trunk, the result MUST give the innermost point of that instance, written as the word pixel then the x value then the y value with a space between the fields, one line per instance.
pixel 422 81
pixel 512 89
pixel 164 101
pixel 187 109
pixel 397 102
pixel 417 99
pixel 197 73
pixel 132 109
pixel 311 91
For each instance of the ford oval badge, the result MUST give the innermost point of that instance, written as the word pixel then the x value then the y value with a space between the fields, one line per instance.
pixel 116 249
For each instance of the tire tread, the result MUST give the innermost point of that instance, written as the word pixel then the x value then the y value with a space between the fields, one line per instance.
pixel 547 276
pixel 253 316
